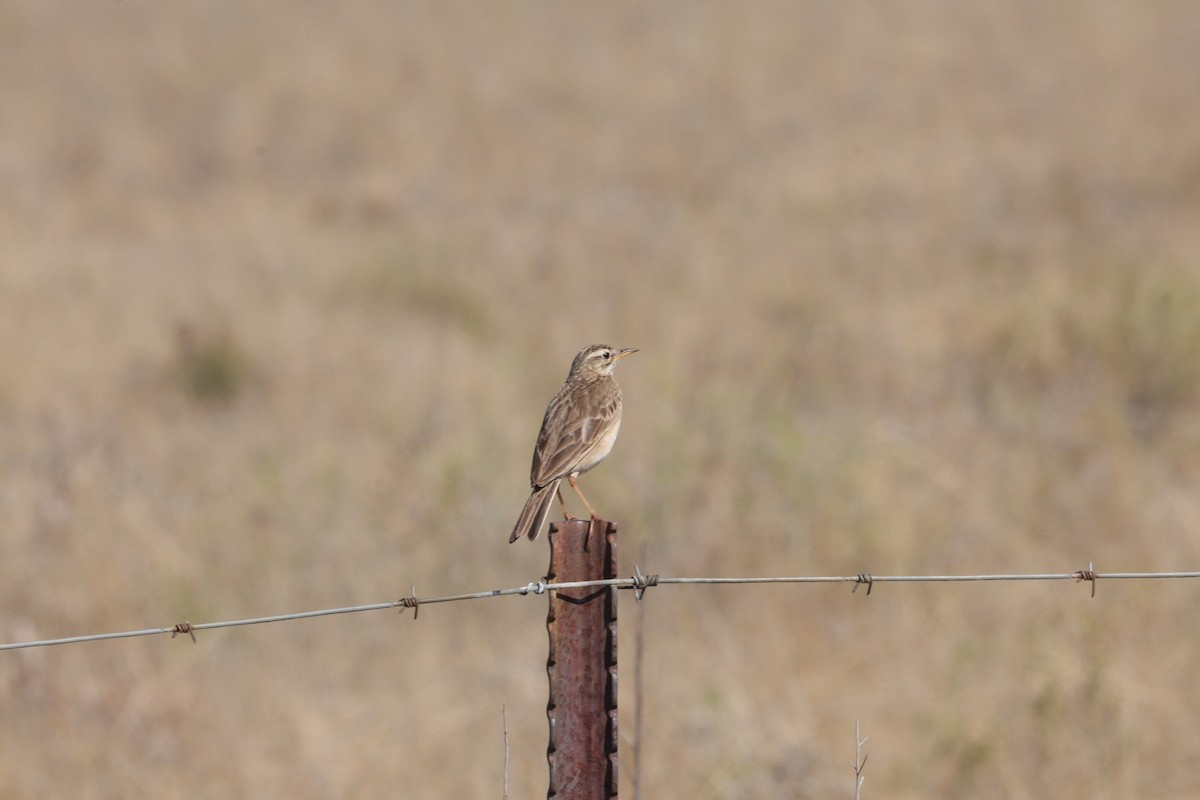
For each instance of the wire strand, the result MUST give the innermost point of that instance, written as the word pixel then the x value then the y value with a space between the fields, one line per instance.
pixel 638 582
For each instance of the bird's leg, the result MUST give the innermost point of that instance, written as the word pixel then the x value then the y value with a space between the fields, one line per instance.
pixel 592 511
pixel 567 515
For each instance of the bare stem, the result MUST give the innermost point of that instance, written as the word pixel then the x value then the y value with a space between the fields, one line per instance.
pixel 860 761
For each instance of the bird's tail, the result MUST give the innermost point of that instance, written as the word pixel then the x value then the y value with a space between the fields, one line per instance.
pixel 534 514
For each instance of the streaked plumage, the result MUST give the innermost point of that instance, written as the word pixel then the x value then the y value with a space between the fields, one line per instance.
pixel 578 431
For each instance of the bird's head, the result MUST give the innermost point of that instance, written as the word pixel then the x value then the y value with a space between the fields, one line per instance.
pixel 598 359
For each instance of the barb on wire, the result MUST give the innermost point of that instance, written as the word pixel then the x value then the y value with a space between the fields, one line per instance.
pixel 537 587
pixel 184 627
pixel 1088 574
pixel 412 601
pixel 863 578
pixel 642 582
pixel 639 583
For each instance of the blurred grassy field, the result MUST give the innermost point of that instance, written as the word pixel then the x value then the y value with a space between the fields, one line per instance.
pixel 284 288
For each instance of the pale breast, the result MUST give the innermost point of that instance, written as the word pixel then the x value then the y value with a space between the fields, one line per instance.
pixel 601 449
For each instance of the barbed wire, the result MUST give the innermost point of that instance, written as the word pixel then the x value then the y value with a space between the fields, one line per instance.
pixel 640 582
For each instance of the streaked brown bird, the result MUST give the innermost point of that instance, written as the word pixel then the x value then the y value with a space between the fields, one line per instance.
pixel 578 431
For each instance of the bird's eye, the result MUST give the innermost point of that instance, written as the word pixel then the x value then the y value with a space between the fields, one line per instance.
pixel 607 355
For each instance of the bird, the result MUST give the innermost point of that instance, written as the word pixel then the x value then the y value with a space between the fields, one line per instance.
pixel 578 432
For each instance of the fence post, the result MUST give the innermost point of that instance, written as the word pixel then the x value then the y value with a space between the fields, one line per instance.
pixel 582 665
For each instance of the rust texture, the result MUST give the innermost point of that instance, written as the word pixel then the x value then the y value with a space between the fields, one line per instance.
pixel 582 665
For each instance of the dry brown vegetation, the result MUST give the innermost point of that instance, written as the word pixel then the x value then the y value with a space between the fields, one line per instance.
pixel 285 287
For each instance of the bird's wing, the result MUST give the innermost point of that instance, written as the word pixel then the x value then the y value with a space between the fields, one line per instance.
pixel 563 444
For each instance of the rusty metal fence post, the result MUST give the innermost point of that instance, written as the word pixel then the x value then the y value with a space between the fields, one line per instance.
pixel 582 665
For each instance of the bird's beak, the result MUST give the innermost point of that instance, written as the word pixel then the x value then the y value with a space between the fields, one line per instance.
pixel 628 351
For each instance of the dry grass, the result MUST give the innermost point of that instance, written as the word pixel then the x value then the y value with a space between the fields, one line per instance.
pixel 285 287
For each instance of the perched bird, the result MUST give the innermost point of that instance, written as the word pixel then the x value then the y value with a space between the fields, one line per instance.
pixel 578 431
